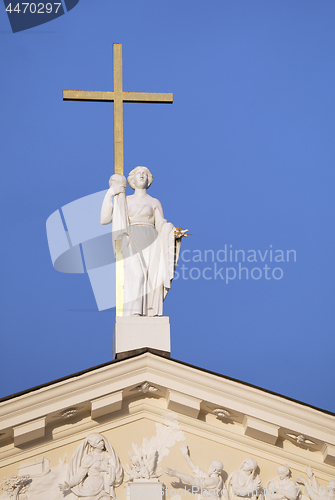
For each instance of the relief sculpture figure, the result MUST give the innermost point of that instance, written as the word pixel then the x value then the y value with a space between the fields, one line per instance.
pixel 149 244
pixel 314 491
pixel 209 484
pixel 282 487
pixel 245 482
pixel 94 470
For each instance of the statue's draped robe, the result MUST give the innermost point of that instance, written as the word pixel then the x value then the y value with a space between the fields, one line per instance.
pixel 92 476
pixel 250 485
pixel 281 486
pixel 150 253
pixel 205 492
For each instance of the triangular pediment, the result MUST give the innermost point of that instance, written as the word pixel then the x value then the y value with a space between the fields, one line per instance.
pixel 129 400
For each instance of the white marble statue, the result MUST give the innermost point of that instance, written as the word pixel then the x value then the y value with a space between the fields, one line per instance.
pixel 94 470
pixel 283 486
pixel 245 482
pixel 150 247
pixel 314 491
pixel 209 485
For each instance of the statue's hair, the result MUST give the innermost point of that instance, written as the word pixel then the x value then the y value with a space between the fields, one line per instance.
pixel 218 465
pixel 131 177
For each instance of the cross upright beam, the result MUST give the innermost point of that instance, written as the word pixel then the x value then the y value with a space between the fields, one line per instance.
pixel 118 96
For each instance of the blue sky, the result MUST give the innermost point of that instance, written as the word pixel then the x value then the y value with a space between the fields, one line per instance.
pixel 245 157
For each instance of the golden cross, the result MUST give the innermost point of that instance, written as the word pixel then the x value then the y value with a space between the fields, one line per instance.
pixel 118 96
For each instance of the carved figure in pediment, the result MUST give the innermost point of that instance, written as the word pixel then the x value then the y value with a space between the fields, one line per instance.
pixel 94 470
pixel 315 492
pixel 209 484
pixel 283 486
pixel 144 462
pixel 245 482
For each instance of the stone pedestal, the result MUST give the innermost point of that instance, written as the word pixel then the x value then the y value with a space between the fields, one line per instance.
pixel 135 333
pixel 145 489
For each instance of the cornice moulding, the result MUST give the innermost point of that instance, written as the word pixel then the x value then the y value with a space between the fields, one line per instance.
pixel 178 379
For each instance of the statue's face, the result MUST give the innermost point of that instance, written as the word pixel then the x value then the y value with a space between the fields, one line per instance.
pixel 211 469
pixel 282 473
pixel 100 444
pixel 248 467
pixel 141 178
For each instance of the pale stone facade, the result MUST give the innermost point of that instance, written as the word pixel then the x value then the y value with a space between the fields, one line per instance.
pixel 170 404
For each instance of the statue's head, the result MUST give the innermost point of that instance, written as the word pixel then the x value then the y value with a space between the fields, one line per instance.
pixel 96 441
pixel 249 465
pixel 118 180
pixel 215 467
pixel 140 177
pixel 283 471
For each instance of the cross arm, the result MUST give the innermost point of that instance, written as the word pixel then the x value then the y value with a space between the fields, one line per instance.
pixel 147 97
pixel 87 95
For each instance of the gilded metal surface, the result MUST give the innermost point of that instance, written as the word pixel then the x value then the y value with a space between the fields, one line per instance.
pixel 103 96
pixel 118 97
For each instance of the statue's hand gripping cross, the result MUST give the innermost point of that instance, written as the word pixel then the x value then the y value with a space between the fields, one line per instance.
pixel 118 96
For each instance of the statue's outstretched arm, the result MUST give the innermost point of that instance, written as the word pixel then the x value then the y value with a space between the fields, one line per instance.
pixel 312 495
pixel 313 482
pixel 183 477
pixel 186 454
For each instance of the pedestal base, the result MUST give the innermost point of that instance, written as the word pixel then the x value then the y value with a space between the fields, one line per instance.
pixel 145 490
pixel 135 333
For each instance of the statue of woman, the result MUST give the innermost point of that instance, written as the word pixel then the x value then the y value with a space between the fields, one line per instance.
pixel 149 245
pixel 245 482
pixel 94 470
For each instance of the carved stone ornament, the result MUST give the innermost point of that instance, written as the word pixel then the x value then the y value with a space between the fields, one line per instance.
pixel 15 487
pixel 221 413
pixel 300 439
pixel 245 482
pixel 145 387
pixel 69 413
pixel 144 462
pixel 94 469
pixel 146 458
pixel 209 483
pixel 282 487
